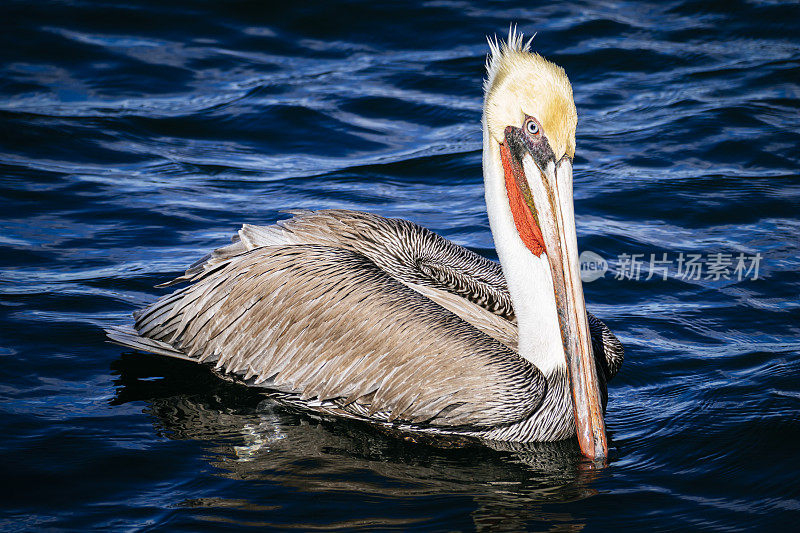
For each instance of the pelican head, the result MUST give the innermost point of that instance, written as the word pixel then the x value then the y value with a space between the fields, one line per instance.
pixel 529 123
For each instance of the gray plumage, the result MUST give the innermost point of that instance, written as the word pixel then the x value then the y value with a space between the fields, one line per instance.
pixel 362 316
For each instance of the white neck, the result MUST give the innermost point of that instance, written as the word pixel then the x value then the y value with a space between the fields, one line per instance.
pixel 528 276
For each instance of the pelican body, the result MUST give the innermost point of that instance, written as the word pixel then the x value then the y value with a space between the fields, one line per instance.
pixel 381 320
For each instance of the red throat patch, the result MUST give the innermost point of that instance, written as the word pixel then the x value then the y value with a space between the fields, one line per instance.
pixel 528 229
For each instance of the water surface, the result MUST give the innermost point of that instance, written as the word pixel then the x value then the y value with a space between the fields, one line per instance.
pixel 136 136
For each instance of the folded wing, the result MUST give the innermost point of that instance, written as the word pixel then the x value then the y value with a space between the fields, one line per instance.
pixel 328 323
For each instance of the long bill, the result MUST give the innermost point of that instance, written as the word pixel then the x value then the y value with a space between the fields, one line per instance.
pixel 552 196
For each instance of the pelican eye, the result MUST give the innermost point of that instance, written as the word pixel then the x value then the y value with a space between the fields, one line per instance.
pixel 532 127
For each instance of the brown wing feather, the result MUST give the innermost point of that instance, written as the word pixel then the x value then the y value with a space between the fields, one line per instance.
pixel 327 323
pixel 406 251
pixel 456 278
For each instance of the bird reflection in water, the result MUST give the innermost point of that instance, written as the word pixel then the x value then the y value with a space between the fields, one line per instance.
pixel 249 436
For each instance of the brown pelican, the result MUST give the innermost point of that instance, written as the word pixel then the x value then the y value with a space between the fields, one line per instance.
pixel 378 319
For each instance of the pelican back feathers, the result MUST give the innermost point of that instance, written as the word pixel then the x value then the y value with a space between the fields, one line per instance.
pixel 327 324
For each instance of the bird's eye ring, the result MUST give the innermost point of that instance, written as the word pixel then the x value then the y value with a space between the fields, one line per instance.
pixel 532 127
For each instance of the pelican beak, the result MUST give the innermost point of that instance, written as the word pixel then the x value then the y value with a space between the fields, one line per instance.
pixel 547 191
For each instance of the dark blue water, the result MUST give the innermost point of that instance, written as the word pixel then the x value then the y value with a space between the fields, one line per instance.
pixel 136 136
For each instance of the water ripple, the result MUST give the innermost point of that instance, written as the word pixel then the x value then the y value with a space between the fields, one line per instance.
pixel 137 136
